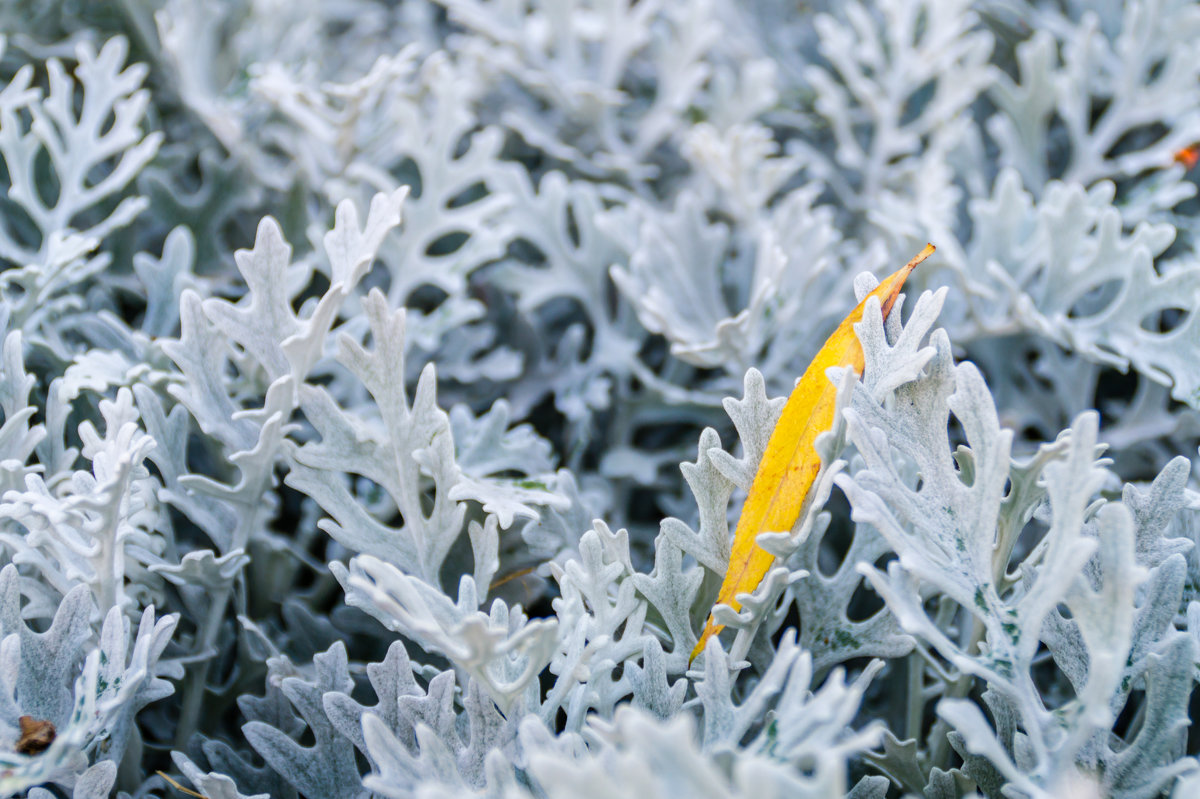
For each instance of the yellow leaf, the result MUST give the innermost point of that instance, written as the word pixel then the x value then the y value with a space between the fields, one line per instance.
pixel 790 463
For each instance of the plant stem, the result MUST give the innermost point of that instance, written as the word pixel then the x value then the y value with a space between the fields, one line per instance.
pixel 939 740
pixel 916 696
pixel 196 687
pixel 195 690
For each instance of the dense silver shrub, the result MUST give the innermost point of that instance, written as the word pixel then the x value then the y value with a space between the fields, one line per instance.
pixel 380 382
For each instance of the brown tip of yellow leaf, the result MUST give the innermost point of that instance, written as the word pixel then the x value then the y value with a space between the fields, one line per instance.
pixel 925 252
pixel 896 280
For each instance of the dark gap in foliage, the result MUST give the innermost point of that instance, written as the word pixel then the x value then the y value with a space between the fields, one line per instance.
pixel 46 182
pixel 791 621
pixel 1058 147
pixel 644 507
pixel 962 455
pixel 187 174
pixel 361 763
pixel 199 457
pixel 1115 391
pixel 855 666
pixel 615 304
pixel 1137 138
pixel 377 276
pixel 516 149
pixel 1096 300
pixel 1164 320
pixel 662 433
pixel 407 173
pixel 15 219
pixel 322 379
pixel 560 315
pixel 1031 534
pixel 1193 730
pixel 839 535
pixel 426 298
pixel 585 439
pixel 572 225
pixel 473 193
pixel 1025 396
pixel 670 172
pixel 550 424
pixel 128 305
pixel 955 432
pixel 915 103
pixel 275 155
pixel 1051 684
pixel 463 144
pixel 865 602
pixel 1129 715
pixel 306 738
pixel 920 25
pixel 519 249
pixel 97 173
pixel 543 608
pixel 318 287
pixel 1155 70
pixel 1097 108
pixel 654 352
pixel 932 605
pixel 1031 433
pixel 879 703
pixel 235 232
pixel 426 509
pixel 447 243
pixel 303 430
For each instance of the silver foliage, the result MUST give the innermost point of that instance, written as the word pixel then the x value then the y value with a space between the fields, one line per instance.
pixel 350 349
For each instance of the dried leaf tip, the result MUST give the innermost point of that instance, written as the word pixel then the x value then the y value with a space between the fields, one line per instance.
pixel 1189 156
pixel 790 464
pixel 174 784
pixel 36 735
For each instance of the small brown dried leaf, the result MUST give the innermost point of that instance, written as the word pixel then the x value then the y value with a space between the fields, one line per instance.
pixel 36 735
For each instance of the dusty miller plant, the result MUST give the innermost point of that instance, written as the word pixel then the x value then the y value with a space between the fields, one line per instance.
pixel 380 384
